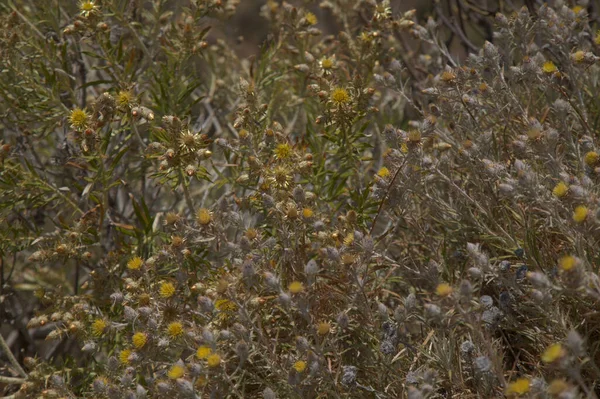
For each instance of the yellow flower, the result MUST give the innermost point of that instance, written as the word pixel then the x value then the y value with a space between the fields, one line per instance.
pixel 553 353
pixel 124 98
pixel 139 340
pixel 519 387
pixel 175 329
pixel 124 356
pixel 591 158
pixel 78 119
pixel 135 263
pixel 580 214
pixel 577 9
pixel 443 289
pixel 225 305
pixel 549 67
pixel 167 290
pixel 578 56
pixel 327 63
pixel 203 352
pixel 283 151
pixel 307 213
pixel 203 216
pixel 176 371
pixel 349 239
pixel 213 360
pixel 87 6
pixel 557 387
pixel 447 77
pixel 296 287
pixel 323 328
pixel 340 96
pixel 560 190
pixel 567 263
pixel 311 18
pixel 300 366
pixel 98 327
pixel 383 172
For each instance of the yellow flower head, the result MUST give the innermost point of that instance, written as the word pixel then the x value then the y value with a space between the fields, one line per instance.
pixel 167 290
pixel 87 6
pixel 549 67
pixel 323 328
pixel 139 340
pixel 124 98
pixel 283 151
pixel 340 96
pixel 578 56
pixel 203 352
pixel 300 366
pixel 553 353
pixel 519 387
pixel 176 371
pixel 213 360
pixel 203 216
pixel 560 190
pixel 296 287
pixel 580 214
pixel 443 289
pixel 135 263
pixel 175 329
pixel 383 172
pixel 567 263
pixel 327 63
pixel 591 158
pixel 98 327
pixel 124 356
pixel 79 119
pixel 307 213
pixel 310 18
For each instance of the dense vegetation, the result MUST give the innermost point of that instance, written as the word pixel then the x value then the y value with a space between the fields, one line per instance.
pixel 402 207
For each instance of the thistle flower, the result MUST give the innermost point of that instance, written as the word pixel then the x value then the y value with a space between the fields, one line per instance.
pixel 327 63
pixel 124 98
pixel 567 263
pixel 560 190
pixel 296 287
pixel 88 7
pixel 549 67
pixel 518 387
pixel 175 329
pixel 176 371
pixel 203 352
pixel 124 356
pixel 79 119
pixel 167 290
pixel 591 158
pixel 580 214
pixel 139 340
pixel 323 328
pixel 553 353
pixel 213 360
pixel 98 327
pixel 203 216
pixel 443 289
pixel 383 172
pixel 135 263
pixel 340 96
pixel 299 366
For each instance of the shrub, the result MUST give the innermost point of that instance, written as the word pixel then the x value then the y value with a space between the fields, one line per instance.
pixel 356 214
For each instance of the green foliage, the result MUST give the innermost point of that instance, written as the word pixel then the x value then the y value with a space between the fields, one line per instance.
pixel 360 214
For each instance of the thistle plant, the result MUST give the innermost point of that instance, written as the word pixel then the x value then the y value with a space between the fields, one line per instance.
pixel 375 204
